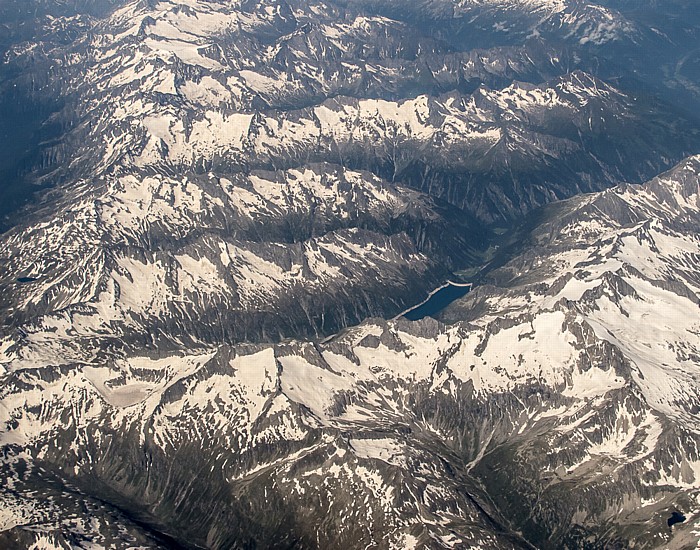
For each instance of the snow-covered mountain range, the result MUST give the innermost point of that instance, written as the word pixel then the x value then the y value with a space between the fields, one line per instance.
pixel 199 345
pixel 563 394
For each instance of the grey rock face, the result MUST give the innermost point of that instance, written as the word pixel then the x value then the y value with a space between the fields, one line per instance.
pixel 196 343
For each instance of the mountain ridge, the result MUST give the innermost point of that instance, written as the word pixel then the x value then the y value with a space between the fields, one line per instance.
pixel 633 428
pixel 198 342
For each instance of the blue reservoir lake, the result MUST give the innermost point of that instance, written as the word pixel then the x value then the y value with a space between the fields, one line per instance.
pixel 438 300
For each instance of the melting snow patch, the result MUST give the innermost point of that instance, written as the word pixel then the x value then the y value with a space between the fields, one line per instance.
pixel 385 449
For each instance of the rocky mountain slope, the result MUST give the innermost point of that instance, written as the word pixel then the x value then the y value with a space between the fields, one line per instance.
pixel 227 87
pixel 233 155
pixel 559 408
pixel 209 259
pixel 198 341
